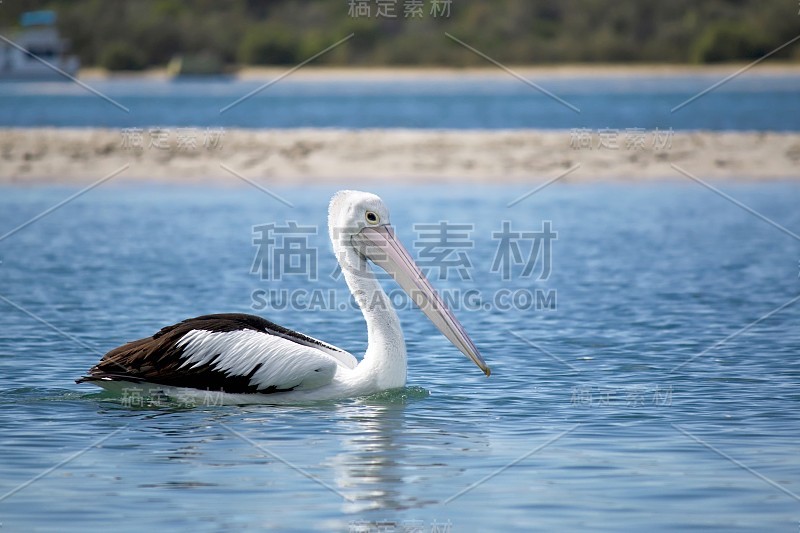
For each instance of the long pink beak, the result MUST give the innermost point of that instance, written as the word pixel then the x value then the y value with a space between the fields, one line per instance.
pixel 379 245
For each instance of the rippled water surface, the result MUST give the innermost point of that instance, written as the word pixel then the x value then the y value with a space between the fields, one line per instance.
pixel 659 394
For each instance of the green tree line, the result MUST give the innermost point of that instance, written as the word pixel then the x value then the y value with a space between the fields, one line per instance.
pixel 135 34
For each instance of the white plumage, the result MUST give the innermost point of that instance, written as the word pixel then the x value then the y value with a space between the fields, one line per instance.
pixel 271 361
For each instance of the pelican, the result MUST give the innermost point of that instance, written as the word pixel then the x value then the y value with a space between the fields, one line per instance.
pixel 247 359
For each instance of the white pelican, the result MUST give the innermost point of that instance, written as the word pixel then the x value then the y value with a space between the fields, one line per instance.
pixel 246 359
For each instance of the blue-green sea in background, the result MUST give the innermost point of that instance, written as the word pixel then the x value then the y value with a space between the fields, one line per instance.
pixel 750 101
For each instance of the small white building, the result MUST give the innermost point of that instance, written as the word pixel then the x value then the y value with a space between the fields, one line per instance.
pixel 37 38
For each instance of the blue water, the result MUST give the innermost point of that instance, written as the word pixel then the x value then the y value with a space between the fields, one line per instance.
pixel 647 278
pixel 748 102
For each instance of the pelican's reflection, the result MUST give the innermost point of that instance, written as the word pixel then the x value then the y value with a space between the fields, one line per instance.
pixel 396 457
pixel 387 455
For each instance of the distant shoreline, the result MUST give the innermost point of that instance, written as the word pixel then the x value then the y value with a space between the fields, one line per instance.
pixel 38 156
pixel 312 72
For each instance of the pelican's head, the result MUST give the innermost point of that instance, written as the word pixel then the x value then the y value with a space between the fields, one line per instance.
pixel 359 221
pixel 352 211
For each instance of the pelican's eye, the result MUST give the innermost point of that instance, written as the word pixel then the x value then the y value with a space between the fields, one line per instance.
pixel 372 217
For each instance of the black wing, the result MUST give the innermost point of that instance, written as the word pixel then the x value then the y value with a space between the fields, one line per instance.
pixel 235 353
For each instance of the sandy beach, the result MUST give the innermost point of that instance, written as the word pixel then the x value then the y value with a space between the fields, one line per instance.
pixel 533 72
pixel 79 156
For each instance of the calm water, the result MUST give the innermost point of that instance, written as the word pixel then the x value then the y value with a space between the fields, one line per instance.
pixel 748 102
pixel 647 278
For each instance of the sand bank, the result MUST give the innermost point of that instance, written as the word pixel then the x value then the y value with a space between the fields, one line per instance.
pixel 49 155
pixel 356 74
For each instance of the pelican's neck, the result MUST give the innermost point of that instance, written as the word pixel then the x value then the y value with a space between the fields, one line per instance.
pixel 385 358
